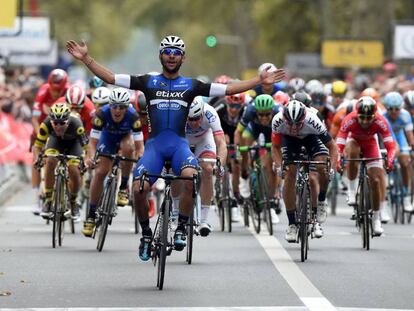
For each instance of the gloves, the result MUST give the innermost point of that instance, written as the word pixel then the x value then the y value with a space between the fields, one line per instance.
pixel 390 166
pixel 220 171
pixel 331 174
pixel 338 166
pixel 277 169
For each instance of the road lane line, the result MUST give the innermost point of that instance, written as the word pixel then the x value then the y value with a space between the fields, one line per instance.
pixel 311 297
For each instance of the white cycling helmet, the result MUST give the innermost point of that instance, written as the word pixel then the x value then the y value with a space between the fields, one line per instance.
pixel 314 86
pixel 264 66
pixel 294 112
pixel 100 96
pixel 172 42
pixel 196 108
pixel 120 96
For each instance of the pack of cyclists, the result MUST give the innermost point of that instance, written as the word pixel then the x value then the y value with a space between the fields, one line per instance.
pixel 156 117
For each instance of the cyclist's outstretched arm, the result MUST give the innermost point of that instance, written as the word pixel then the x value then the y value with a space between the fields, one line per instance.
pixel 266 77
pixel 80 52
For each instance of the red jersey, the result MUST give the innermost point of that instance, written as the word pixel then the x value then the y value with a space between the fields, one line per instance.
pixel 86 114
pixel 351 128
pixel 44 100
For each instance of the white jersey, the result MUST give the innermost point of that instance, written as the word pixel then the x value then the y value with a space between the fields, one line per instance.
pixel 210 124
pixel 312 125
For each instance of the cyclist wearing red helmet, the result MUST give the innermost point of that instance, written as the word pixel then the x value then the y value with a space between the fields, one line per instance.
pixel 78 102
pixel 230 111
pixel 56 86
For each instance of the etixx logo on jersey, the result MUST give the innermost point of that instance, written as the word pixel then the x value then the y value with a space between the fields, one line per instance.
pixel 168 94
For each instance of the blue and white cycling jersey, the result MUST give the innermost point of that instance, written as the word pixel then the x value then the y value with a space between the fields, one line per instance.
pixel 250 115
pixel 168 103
pixel 398 128
pixel 110 133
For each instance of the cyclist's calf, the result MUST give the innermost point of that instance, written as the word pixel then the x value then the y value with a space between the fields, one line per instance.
pixel 375 175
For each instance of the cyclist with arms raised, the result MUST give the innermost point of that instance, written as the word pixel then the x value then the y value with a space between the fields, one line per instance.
pixel 169 97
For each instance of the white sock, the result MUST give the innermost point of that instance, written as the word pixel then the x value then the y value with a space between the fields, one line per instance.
pixel 383 205
pixel 204 213
pixel 353 185
pixel 375 215
pixel 176 204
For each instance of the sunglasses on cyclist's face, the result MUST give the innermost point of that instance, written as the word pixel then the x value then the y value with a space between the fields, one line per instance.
pixel 365 117
pixel 171 51
pixel 394 109
pixel 118 106
pixel 59 122
pixel 194 119
pixel 234 106
pixel 263 114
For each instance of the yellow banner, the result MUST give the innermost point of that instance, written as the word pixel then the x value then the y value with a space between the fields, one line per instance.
pixel 345 53
pixel 8 13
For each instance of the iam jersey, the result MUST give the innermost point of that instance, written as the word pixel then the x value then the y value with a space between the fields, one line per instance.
pixel 312 125
pixel 210 124
pixel 169 100
pixel 44 101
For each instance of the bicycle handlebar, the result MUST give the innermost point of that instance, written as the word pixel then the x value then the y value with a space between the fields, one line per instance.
pixel 255 147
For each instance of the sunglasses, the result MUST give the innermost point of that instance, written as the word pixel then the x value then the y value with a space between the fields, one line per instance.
pixel 118 106
pixel 171 51
pixel 59 123
pixel 234 106
pixel 263 114
pixel 365 117
pixel 393 109
pixel 194 119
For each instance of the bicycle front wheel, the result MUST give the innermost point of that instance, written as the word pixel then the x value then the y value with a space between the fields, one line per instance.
pixel 190 238
pixel 57 212
pixel 107 204
pixel 366 221
pixel 304 223
pixel 264 199
pixel 165 210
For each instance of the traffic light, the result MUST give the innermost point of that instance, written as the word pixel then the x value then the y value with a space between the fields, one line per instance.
pixel 211 41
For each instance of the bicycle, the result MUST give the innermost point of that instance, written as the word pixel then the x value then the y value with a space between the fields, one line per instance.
pixel 194 220
pixel 107 208
pixel 304 211
pixel 332 194
pixel 60 198
pixel 162 238
pixel 259 200
pixel 223 199
pixel 363 208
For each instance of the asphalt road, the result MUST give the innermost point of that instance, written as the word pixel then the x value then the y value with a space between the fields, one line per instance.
pixel 230 271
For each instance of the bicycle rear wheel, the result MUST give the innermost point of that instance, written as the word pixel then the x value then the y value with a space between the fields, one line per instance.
pixel 246 213
pixel 165 209
pixel 254 214
pixel 105 213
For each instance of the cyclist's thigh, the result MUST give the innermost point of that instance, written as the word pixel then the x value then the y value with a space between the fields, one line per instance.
pixel 291 148
pixel 183 157
pixel 315 146
pixel 403 143
pixel 205 147
pixel 73 148
pixel 127 143
pixel 370 149
pixel 109 143
pixel 151 161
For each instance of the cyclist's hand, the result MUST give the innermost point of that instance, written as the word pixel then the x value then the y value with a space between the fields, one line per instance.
pixel 244 174
pixel 90 163
pixel 390 166
pixel 339 167
pixel 331 174
pixel 79 51
pixel 269 77
pixel 220 171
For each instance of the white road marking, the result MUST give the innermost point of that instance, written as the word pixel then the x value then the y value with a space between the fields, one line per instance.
pixel 311 297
